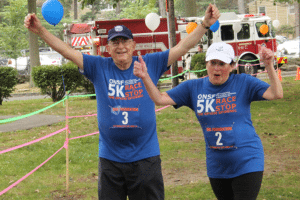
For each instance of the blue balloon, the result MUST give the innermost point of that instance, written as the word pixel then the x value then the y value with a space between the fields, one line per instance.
pixel 52 11
pixel 215 26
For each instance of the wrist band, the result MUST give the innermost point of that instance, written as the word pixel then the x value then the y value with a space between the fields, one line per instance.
pixel 206 27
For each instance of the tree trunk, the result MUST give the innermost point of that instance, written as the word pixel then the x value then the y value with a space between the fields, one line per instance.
pixel 162 8
pixel 173 43
pixel 190 8
pixel 118 8
pixel 33 43
pixel 241 5
pixel 75 9
pixel 297 19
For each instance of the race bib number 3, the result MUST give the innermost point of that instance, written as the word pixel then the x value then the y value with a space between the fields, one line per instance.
pixel 221 138
pixel 125 117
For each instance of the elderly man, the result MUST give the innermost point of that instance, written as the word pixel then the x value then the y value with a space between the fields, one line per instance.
pixel 129 155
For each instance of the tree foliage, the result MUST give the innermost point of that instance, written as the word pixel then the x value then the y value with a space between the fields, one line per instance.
pixel 97 6
pixel 137 10
pixel 85 3
pixel 13 36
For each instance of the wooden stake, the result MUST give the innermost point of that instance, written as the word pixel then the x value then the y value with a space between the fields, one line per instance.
pixel 67 146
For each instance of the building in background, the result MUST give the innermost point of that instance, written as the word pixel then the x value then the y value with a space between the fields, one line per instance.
pixel 283 12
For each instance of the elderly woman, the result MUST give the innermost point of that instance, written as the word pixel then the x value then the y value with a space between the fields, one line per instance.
pixel 221 101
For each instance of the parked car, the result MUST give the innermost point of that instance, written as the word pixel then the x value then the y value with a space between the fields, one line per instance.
pixel 289 48
pixel 280 39
pixel 3 61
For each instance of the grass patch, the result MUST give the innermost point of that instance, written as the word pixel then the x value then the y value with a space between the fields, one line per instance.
pixel 182 151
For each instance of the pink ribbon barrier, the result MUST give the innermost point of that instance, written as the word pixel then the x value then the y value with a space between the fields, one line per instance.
pixel 84 135
pixel 70 117
pixel 161 108
pixel 47 136
pixel 24 177
pixel 32 142
pixel 66 143
pixel 250 64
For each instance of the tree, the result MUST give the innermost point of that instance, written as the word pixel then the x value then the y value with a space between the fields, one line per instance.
pixel 138 10
pixel 91 2
pixel 162 8
pixel 97 6
pixel 75 10
pixel 33 43
pixel 2 4
pixel 173 42
pixel 190 8
pixel 13 34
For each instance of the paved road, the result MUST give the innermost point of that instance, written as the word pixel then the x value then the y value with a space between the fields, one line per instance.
pixel 28 96
pixel 29 122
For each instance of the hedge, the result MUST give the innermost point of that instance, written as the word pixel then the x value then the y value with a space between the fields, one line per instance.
pixel 56 80
pixel 8 80
pixel 198 63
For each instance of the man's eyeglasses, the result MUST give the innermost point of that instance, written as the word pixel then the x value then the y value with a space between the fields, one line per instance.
pixel 116 42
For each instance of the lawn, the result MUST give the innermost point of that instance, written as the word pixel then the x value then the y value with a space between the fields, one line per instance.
pixel 182 151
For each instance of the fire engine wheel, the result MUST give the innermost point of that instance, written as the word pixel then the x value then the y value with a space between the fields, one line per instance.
pixel 248 67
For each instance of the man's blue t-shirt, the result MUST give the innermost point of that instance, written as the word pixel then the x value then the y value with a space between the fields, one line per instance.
pixel 232 146
pixel 126 113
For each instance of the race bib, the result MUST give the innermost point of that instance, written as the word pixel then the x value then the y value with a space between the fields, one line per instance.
pixel 125 117
pixel 220 138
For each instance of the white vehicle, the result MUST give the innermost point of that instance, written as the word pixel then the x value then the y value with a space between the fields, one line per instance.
pixel 280 39
pixel 21 64
pixel 51 58
pixel 289 48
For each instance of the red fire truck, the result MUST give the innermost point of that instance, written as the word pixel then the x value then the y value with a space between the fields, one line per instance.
pixel 244 33
pixel 92 38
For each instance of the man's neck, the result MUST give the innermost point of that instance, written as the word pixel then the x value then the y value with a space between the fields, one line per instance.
pixel 123 65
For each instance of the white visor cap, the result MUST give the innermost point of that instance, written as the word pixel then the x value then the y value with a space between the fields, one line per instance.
pixel 220 51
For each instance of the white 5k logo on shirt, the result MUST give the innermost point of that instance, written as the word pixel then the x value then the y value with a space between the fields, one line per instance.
pixel 213 104
pixel 125 89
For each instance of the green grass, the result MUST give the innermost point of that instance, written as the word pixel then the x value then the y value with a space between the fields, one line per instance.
pixel 181 143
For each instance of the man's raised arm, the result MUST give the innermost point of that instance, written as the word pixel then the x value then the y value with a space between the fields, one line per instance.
pixel 33 24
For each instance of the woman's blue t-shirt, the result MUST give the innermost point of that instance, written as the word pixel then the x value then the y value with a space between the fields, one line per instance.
pixel 232 146
pixel 126 114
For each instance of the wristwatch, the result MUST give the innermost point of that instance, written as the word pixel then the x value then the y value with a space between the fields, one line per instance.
pixel 206 27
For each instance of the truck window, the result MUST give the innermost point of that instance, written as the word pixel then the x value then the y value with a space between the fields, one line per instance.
pixel 227 33
pixel 272 32
pixel 258 24
pixel 244 32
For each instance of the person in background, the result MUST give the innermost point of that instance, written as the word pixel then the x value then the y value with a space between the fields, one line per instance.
pixel 200 48
pixel 221 102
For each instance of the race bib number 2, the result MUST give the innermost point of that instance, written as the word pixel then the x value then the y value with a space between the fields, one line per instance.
pixel 221 138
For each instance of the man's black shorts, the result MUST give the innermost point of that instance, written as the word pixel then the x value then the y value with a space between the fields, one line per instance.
pixel 137 180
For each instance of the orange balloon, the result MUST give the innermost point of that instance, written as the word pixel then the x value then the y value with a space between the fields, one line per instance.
pixel 264 29
pixel 190 27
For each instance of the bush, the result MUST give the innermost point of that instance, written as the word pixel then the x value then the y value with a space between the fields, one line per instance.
pixel 198 63
pixel 88 86
pixel 49 79
pixel 8 80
